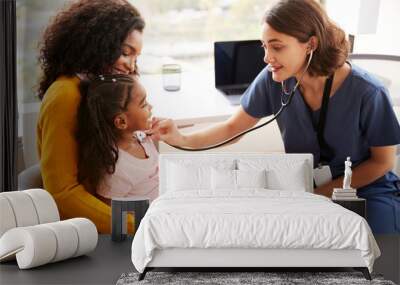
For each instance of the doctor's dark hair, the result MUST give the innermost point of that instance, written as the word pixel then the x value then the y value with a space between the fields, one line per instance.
pixel 305 18
pixel 86 37
pixel 102 99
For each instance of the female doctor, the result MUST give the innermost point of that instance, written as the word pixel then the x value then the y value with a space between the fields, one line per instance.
pixel 304 47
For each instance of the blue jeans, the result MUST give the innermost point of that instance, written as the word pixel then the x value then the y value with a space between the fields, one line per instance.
pixel 383 207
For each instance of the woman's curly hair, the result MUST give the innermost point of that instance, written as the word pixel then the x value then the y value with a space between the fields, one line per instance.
pixel 303 19
pixel 86 37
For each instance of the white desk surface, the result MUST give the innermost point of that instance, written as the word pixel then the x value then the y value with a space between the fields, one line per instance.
pixel 196 102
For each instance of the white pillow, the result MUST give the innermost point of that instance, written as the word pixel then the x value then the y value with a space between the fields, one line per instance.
pixel 184 174
pixel 251 178
pixel 183 177
pixel 293 180
pixel 223 179
pixel 237 179
pixel 281 174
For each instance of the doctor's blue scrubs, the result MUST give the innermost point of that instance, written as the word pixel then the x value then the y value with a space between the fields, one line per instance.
pixel 359 116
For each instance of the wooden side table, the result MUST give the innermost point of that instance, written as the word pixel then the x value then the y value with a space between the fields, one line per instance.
pixel 357 205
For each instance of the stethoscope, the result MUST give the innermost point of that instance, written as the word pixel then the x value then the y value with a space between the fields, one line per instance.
pixel 284 104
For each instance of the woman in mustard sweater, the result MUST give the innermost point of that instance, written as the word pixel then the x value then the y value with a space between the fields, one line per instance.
pixel 90 37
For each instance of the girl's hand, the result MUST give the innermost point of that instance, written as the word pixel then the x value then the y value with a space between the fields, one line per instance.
pixel 167 131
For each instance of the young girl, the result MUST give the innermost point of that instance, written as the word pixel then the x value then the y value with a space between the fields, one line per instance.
pixel 113 158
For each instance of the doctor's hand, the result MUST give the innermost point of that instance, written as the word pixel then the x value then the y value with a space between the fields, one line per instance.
pixel 167 131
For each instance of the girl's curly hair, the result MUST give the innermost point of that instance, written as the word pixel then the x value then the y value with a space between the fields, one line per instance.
pixel 103 98
pixel 86 37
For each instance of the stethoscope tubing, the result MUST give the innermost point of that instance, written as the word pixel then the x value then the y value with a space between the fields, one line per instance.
pixel 283 106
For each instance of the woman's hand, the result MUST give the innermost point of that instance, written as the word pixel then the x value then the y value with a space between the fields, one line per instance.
pixel 327 189
pixel 381 161
pixel 167 131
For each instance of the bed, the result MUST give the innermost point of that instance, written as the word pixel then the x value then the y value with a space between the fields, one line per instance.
pixel 245 211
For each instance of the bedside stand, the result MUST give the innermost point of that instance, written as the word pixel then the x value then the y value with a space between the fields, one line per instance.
pixel 357 205
pixel 120 207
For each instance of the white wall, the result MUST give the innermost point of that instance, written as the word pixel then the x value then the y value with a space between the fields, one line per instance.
pixel 385 40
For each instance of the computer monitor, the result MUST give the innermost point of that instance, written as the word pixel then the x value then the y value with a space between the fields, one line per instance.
pixel 237 63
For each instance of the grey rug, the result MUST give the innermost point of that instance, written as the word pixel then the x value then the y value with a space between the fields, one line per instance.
pixel 230 278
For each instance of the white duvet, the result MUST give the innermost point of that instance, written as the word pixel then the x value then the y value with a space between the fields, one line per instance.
pixel 250 219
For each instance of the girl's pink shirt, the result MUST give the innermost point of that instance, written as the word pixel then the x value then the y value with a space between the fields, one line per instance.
pixel 133 177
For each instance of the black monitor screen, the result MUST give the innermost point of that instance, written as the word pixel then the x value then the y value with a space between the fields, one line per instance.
pixel 237 63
